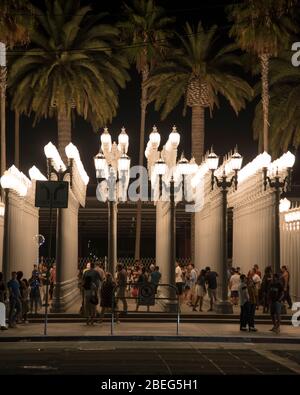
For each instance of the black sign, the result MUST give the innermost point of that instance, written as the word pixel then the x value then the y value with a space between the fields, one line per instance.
pixel 147 295
pixel 51 193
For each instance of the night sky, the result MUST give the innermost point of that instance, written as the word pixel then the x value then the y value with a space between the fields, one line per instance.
pixel 224 130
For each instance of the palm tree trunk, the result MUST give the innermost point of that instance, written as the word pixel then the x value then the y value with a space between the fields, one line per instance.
pixel 64 132
pixel 198 123
pixel 264 62
pixel 17 139
pixel 144 101
pixel 3 118
pixel 198 133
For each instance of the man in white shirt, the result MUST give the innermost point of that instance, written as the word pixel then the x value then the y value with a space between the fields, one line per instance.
pixel 179 281
pixel 234 284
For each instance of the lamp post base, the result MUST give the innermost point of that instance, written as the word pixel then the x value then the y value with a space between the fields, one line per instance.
pixel 223 307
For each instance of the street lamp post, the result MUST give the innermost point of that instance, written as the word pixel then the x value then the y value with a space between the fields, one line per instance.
pixel 224 184
pixel 169 172
pixel 12 180
pixel 279 185
pixel 112 167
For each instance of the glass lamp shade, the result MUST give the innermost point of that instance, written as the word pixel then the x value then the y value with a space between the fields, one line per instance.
pixel 174 137
pixel 124 163
pixel 183 166
pixel 284 205
pixel 154 137
pixel 35 174
pixel 236 161
pixel 106 138
pixel 193 166
pixel 160 167
pixel 123 138
pixel 8 181
pixel 288 159
pixel 213 161
pixel 52 153
pixel 100 162
pixel 72 151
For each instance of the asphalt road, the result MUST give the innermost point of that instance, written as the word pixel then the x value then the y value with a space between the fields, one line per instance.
pixel 83 358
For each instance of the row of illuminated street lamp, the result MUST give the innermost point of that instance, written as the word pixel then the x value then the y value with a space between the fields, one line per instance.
pixel 112 165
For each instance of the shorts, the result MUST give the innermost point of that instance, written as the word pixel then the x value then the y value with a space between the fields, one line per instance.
pixel 275 308
pixel 200 291
pixel 179 287
pixel 212 293
pixel 234 294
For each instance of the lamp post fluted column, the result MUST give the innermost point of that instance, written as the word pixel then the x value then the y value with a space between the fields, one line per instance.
pixel 224 306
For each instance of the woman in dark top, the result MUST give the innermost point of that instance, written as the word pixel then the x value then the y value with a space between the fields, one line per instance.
pixel 106 293
pixel 265 287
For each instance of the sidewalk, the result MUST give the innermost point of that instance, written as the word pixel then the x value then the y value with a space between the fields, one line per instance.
pixel 149 332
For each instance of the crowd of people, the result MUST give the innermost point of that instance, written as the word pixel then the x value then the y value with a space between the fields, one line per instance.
pixel 22 296
pixel 101 288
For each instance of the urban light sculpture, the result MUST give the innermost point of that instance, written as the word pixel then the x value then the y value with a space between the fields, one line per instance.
pixel 276 178
pixel 171 185
pixel 232 165
pixel 74 173
pixel 112 165
pixel 3 78
pixel 12 180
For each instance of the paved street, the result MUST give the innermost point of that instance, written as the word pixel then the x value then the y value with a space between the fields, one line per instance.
pixel 159 358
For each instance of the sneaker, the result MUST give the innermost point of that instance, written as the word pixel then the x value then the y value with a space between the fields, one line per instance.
pixel 252 330
pixel 243 329
pixel 194 309
pixel 4 328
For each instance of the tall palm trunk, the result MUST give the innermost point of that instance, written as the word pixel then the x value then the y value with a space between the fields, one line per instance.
pixel 198 124
pixel 264 62
pixel 64 132
pixel 144 102
pixel 3 118
pixel 198 132
pixel 17 139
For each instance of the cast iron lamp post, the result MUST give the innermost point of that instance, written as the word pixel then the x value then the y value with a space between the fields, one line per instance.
pixel 112 166
pixel 224 184
pixel 279 184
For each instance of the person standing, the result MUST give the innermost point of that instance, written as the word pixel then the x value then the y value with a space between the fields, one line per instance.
pixel 265 287
pixel 234 284
pixel 179 281
pixel 155 277
pixel 253 300
pixel 121 286
pixel 211 280
pixel 276 295
pixel 285 275
pixel 3 301
pixel 200 290
pixel 106 294
pixel 34 295
pixel 90 300
pixel 244 303
pixel 14 300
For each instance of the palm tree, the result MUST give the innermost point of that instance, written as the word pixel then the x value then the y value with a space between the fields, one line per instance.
pixel 198 71
pixel 70 65
pixel 146 31
pixel 14 24
pixel 262 28
pixel 284 105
